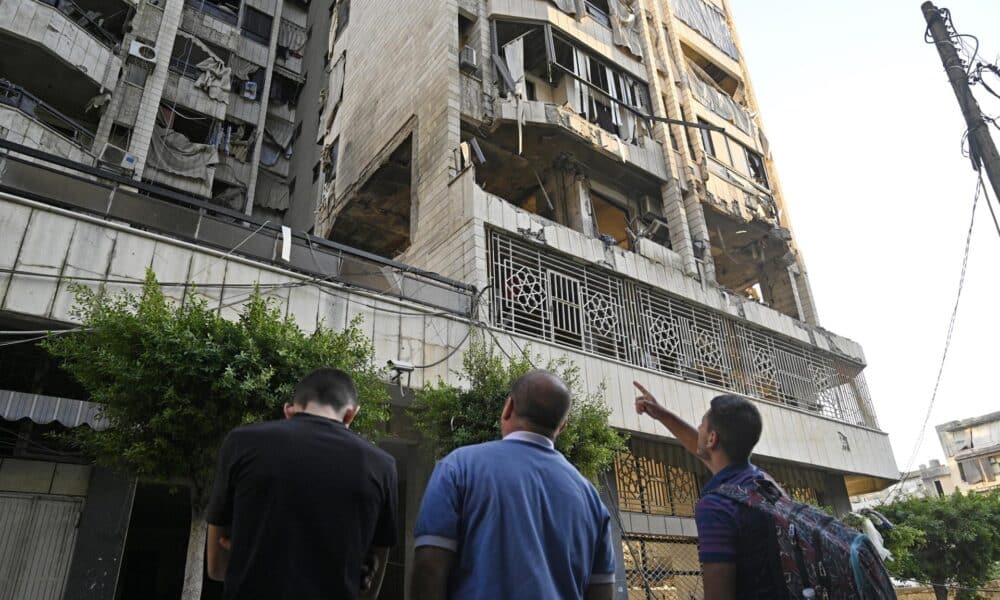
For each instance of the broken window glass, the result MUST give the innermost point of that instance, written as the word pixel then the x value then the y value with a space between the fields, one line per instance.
pixel 755 163
pixel 599 11
pixel 706 138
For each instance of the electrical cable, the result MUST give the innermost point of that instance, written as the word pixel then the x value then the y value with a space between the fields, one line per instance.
pixel 947 343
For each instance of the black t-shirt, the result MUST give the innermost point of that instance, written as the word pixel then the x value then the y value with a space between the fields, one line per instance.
pixel 304 499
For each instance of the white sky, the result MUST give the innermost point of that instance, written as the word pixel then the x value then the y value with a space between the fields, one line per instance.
pixel 865 130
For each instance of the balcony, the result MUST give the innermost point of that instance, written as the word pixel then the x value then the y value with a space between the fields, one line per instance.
pixel 591 30
pixel 704 26
pixel 30 121
pixel 549 296
pixel 67 31
pixel 737 195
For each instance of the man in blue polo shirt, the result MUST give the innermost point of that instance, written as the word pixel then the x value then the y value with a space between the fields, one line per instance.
pixel 739 559
pixel 512 518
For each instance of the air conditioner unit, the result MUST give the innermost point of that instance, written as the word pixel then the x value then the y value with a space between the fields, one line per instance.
pixel 250 90
pixel 657 230
pixel 467 59
pixel 144 54
pixel 114 156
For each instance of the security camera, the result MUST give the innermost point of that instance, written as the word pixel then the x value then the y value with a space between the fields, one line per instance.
pixel 401 365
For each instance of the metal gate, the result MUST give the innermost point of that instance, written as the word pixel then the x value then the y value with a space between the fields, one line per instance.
pixel 37 534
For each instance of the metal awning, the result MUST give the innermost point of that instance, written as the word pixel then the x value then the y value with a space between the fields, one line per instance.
pixel 43 410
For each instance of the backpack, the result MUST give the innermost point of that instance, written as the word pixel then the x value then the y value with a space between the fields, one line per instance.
pixel 820 557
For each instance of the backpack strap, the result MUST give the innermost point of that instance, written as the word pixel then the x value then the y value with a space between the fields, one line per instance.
pixel 759 489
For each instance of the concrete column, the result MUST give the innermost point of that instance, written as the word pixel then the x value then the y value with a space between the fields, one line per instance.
pixel 100 542
pixel 675 208
pixel 142 134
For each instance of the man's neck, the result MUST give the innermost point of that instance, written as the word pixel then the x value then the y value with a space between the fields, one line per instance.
pixel 718 462
pixel 326 412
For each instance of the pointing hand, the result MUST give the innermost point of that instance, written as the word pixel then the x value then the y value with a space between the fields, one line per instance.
pixel 645 403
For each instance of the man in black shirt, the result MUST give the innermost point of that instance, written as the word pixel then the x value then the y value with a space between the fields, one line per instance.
pixel 303 508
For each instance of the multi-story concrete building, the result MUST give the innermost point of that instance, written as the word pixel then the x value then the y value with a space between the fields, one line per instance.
pixel 587 177
pixel 972 450
pixel 199 96
pixel 929 481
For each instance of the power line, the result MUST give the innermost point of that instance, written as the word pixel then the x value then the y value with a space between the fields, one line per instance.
pixel 947 342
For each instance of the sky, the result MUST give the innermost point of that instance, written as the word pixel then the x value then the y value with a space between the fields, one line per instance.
pixel 866 134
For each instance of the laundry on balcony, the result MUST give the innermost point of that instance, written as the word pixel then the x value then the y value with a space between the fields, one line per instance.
pixel 172 152
pixel 625 26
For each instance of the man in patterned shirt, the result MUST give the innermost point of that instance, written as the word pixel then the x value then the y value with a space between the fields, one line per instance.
pixel 737 551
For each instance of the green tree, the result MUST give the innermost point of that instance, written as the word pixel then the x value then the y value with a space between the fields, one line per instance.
pixel 947 541
pixel 172 379
pixel 451 417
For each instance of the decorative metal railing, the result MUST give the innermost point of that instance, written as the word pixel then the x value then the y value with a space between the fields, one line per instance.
pixel 553 297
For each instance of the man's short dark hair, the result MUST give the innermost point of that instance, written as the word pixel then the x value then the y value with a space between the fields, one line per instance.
pixel 330 387
pixel 541 399
pixel 737 422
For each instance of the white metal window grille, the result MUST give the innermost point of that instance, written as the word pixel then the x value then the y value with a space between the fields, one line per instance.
pixel 553 297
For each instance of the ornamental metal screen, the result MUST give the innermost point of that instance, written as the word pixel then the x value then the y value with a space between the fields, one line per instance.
pixel 553 297
pixel 662 568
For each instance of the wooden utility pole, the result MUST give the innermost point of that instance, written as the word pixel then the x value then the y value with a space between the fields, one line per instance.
pixel 983 150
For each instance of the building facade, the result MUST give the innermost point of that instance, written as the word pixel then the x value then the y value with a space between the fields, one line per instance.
pixel 590 178
pixel 972 451
pixel 929 481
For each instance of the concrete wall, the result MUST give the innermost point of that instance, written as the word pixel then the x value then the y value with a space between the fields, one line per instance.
pixel 64 39
pixel 43 240
pixel 401 68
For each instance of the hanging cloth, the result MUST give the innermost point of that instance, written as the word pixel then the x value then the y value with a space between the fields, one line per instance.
pixel 514 58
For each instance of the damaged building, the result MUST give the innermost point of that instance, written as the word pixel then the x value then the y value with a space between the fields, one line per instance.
pixel 587 177
pixel 600 169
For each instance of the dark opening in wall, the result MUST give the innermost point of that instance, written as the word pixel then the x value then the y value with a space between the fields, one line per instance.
pixel 257 25
pixel 377 217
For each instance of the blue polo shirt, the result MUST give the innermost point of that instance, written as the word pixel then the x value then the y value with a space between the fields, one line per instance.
pixel 522 521
pixel 729 532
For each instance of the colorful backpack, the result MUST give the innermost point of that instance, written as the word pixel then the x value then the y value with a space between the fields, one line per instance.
pixel 820 556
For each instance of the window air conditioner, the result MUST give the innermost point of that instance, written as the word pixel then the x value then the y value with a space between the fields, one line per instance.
pixel 657 230
pixel 467 59
pixel 143 54
pixel 250 90
pixel 114 156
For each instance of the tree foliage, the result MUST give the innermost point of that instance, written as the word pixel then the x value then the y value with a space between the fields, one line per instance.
pixel 451 417
pixel 172 379
pixel 952 540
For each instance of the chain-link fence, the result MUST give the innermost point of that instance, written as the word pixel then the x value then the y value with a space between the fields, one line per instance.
pixel 662 568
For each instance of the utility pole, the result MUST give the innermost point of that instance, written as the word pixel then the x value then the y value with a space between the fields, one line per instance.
pixel 983 150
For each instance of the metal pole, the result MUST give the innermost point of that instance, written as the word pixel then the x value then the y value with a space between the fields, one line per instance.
pixel 983 150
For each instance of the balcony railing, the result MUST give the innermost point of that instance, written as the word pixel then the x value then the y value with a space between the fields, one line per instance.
pixel 220 11
pixel 17 97
pixel 551 297
pixel 152 208
pixel 84 20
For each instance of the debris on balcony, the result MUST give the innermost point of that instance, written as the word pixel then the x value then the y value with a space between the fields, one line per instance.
pixel 215 78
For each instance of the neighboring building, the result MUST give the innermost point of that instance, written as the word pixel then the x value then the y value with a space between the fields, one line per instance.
pixel 972 449
pixel 930 481
pixel 503 164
